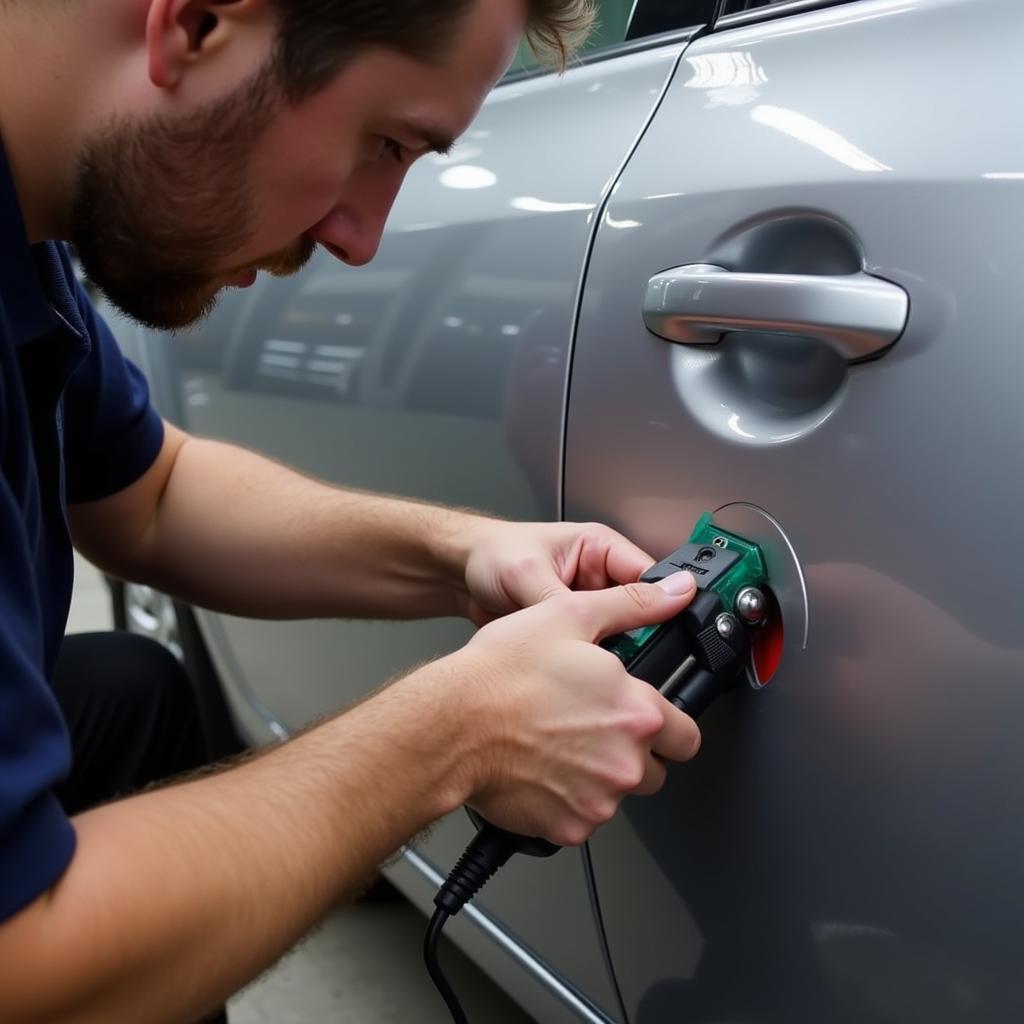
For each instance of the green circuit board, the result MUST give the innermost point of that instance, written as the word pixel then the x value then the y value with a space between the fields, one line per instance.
pixel 749 570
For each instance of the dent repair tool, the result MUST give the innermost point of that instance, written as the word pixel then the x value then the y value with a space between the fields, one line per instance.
pixel 691 659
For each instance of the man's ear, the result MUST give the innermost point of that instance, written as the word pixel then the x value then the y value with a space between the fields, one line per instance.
pixel 181 32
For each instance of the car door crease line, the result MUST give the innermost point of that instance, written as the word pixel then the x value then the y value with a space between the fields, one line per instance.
pixel 607 192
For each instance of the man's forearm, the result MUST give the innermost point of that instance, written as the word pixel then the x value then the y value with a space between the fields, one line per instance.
pixel 236 532
pixel 178 897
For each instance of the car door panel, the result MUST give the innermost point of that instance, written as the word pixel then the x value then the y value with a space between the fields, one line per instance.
pixel 848 844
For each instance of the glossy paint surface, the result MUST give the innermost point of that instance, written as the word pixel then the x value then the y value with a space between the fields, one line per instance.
pixel 849 844
pixel 437 372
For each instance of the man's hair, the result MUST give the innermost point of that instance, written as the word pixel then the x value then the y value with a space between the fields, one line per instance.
pixel 317 37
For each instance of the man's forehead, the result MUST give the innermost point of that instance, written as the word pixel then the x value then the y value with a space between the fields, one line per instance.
pixel 450 89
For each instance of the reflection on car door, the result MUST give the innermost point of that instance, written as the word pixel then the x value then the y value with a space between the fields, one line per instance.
pixel 848 845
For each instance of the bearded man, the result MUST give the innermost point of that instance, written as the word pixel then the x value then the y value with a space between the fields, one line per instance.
pixel 162 138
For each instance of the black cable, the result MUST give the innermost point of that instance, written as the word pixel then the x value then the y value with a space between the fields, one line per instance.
pixel 437 923
pixel 489 849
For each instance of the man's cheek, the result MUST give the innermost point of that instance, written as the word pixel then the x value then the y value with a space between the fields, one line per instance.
pixel 280 221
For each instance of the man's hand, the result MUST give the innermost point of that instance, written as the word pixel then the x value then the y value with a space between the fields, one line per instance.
pixel 516 565
pixel 564 731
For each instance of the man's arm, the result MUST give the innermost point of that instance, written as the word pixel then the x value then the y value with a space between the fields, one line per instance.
pixel 176 898
pixel 227 529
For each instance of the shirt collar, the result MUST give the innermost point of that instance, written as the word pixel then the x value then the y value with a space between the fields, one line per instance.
pixel 29 311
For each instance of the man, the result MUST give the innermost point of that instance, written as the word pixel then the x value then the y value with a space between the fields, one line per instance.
pixel 161 137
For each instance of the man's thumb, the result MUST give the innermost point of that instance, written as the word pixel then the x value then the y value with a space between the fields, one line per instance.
pixel 619 609
pixel 678 584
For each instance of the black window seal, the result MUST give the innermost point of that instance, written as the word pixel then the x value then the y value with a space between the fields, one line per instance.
pixel 772 11
pixel 678 35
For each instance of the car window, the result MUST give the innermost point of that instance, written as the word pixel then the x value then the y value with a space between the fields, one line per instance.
pixel 738 6
pixel 612 22
pixel 652 17
pixel 731 7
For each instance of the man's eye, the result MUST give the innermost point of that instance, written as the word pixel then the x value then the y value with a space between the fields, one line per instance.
pixel 391 147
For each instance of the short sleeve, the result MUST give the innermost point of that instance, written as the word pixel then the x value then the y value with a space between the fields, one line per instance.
pixel 37 840
pixel 112 434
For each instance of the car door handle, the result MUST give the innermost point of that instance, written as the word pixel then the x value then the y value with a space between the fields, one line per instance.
pixel 860 316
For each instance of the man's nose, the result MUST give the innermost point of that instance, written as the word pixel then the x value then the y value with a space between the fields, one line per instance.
pixel 352 238
pixel 353 229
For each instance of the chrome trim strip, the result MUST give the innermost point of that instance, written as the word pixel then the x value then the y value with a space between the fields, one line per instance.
pixel 632 14
pixel 773 11
pixel 540 971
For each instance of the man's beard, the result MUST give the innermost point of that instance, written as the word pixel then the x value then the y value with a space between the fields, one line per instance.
pixel 160 206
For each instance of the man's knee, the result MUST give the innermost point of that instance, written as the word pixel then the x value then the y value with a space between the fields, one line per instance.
pixel 132 714
pixel 124 671
pixel 145 661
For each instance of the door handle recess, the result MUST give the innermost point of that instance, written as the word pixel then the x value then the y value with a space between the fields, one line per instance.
pixel 858 315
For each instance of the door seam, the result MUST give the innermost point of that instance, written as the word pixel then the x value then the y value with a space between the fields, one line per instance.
pixel 588 867
pixel 598 214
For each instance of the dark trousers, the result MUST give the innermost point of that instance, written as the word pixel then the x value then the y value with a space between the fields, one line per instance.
pixel 133 717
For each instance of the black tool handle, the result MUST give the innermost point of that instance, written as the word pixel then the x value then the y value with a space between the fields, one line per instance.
pixel 533 846
pixel 696 692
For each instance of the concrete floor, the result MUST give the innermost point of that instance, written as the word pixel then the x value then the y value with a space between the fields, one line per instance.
pixel 363 966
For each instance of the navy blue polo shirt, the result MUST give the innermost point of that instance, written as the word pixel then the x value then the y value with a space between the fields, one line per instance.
pixel 75 425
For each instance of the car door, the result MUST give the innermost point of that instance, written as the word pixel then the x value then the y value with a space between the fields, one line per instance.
pixel 437 373
pixel 848 845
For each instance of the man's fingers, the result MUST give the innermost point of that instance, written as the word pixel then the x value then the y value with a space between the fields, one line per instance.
pixel 592 572
pixel 533 582
pixel 617 609
pixel 625 562
pixel 608 560
pixel 679 739
pixel 654 777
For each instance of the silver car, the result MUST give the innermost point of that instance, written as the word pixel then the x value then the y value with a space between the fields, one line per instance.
pixel 753 257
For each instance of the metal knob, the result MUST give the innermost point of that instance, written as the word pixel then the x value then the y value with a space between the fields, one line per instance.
pixel 750 605
pixel 726 625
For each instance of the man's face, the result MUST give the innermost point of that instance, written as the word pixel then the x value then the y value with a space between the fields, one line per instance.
pixel 170 209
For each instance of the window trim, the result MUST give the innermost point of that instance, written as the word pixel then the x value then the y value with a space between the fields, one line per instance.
pixel 780 10
pixel 628 46
pixel 676 35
